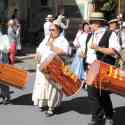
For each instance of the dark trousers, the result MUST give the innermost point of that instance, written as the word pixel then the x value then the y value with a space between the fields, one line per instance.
pixel 4 91
pixel 100 103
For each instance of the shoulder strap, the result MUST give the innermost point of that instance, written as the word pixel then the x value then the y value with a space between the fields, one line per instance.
pixel 119 36
pixel 87 40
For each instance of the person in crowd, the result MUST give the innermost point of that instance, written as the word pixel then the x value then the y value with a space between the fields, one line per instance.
pixel 16 18
pixel 122 35
pixel 80 44
pixel 4 48
pixel 114 25
pixel 47 24
pixel 45 93
pixel 102 45
pixel 12 38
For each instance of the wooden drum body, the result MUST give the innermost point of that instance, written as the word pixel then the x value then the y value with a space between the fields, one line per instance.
pixel 62 75
pixel 12 76
pixel 107 77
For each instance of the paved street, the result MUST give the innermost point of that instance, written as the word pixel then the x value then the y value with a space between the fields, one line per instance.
pixel 74 110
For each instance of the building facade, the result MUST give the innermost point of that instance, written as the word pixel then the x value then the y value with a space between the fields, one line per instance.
pixel 35 11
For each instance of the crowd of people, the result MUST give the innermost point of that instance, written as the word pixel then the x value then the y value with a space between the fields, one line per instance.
pixel 97 39
pixel 10 43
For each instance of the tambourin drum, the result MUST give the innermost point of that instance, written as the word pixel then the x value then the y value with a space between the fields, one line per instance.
pixel 107 77
pixel 62 75
pixel 13 76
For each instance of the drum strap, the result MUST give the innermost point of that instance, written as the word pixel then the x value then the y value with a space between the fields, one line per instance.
pixel 86 49
pixel 87 40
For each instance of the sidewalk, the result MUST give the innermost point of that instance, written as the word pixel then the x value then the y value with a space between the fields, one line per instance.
pixel 25 60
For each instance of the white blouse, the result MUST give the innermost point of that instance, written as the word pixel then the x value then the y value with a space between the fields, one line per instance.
pixel 45 51
pixel 80 41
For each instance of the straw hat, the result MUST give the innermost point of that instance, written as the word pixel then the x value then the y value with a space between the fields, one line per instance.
pixel 50 16
pixel 115 20
pixel 97 16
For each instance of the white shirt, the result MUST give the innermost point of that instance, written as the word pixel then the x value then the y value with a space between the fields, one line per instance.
pixel 78 34
pixel 113 43
pixel 47 26
pixel 123 39
pixel 81 42
pixel 45 51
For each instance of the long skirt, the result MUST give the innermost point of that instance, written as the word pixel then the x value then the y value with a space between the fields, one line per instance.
pixel 45 93
pixel 77 66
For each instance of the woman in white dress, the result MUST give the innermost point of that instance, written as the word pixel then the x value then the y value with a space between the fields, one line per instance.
pixel 44 92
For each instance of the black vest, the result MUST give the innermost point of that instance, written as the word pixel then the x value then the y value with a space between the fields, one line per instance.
pixel 104 42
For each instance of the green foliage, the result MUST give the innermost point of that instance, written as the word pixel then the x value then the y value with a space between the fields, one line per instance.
pixel 108 5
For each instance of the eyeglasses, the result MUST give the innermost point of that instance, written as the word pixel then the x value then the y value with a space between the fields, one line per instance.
pixel 52 29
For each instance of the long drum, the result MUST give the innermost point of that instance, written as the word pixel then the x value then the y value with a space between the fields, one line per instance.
pixel 63 76
pixel 13 76
pixel 107 77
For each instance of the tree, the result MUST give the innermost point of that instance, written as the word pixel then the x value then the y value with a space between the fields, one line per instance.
pixel 109 8
pixel 109 5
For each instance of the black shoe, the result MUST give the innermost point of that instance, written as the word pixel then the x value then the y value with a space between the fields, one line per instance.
pixel 49 113
pixel 97 122
pixel 6 100
pixel 42 109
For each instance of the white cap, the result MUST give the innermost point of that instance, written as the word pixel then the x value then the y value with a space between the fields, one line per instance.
pixel 50 16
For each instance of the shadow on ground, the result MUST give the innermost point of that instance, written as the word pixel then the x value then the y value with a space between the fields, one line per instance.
pixel 119 116
pixel 80 105
pixel 23 100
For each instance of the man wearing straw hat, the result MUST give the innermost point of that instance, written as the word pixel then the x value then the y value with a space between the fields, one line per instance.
pixel 114 25
pixel 102 46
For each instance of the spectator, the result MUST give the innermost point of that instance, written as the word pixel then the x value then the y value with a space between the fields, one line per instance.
pixel 16 18
pixel 12 38
pixel 4 47
pixel 47 24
